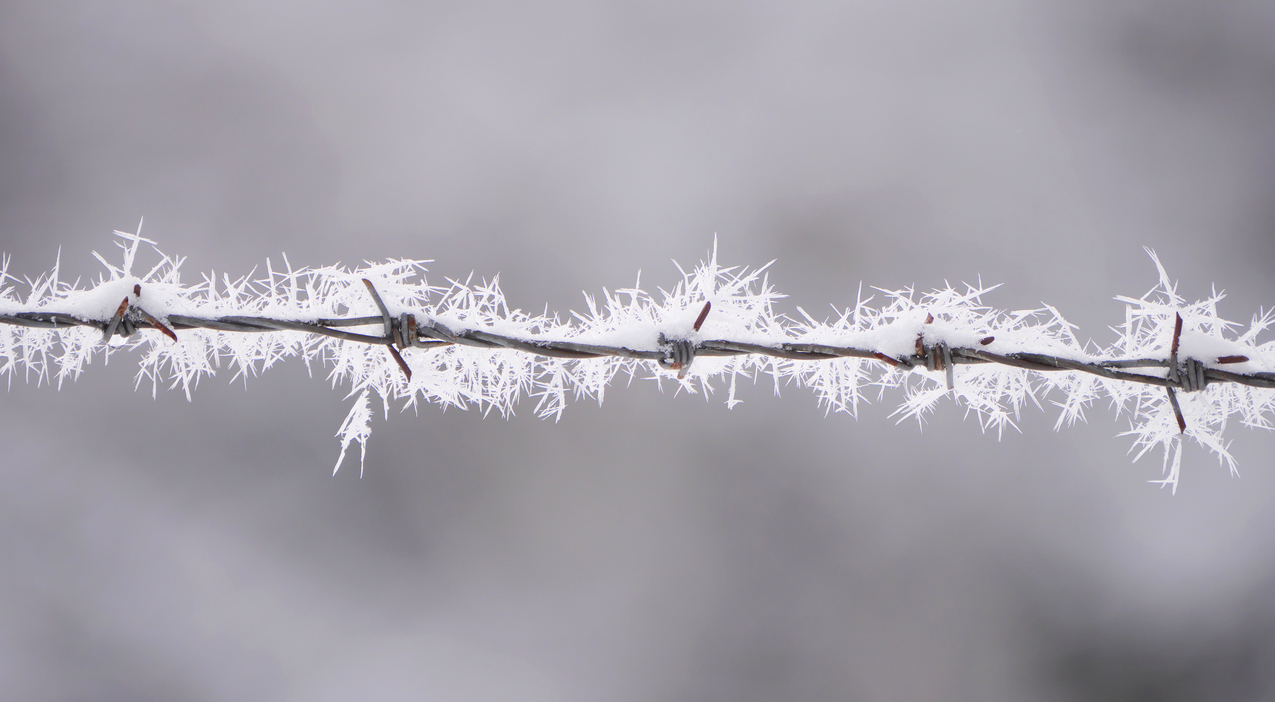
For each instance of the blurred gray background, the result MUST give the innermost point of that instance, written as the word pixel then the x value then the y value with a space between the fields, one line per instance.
pixel 659 547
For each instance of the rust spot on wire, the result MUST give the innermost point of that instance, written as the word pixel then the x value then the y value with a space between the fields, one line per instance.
pixel 398 358
pixel 408 331
pixel 886 359
pixel 114 324
pixel 699 321
pixel 159 325
pixel 1232 359
pixel 1173 353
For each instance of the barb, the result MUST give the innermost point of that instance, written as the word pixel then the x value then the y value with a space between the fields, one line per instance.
pixel 703 314
pixel 392 335
pixel 111 326
pixel 461 344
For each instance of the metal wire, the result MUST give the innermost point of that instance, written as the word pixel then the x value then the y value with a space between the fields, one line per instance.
pixel 1187 375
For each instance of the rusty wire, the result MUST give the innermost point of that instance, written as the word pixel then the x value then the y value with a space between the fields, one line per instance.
pixel 407 331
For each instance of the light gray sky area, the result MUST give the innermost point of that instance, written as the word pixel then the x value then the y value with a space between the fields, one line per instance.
pixel 660 546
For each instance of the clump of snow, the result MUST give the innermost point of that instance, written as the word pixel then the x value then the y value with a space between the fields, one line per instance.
pixel 743 310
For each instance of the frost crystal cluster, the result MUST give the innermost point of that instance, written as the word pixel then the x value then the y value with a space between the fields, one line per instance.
pixel 465 347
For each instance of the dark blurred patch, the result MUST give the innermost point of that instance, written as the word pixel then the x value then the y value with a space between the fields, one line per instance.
pixel 95 664
pixel 1208 49
pixel 783 624
pixel 1136 666
pixel 1218 57
pixel 1169 104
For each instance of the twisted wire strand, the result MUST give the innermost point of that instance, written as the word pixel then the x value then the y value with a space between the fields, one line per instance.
pixel 401 334
pixel 747 329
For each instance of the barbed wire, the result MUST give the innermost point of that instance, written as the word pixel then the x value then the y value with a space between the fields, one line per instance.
pixel 404 332
pixel 436 337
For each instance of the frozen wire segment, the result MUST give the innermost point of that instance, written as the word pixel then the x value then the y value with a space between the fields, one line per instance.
pixel 461 345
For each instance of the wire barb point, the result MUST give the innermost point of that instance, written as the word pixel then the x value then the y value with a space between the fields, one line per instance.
pixel 699 321
pixel 380 305
pixel 163 328
pixel 1177 410
pixel 1173 349
pixel 112 325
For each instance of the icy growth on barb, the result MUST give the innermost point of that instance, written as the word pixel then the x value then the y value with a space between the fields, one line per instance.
pixel 1148 332
pixel 742 312
pixel 357 427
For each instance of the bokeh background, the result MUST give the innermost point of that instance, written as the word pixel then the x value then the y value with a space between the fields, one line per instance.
pixel 658 547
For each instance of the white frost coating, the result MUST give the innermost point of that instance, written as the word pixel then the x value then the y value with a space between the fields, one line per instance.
pixel 742 310
pixel 356 427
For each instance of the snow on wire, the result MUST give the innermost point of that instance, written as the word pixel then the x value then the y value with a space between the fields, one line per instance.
pixel 383 329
